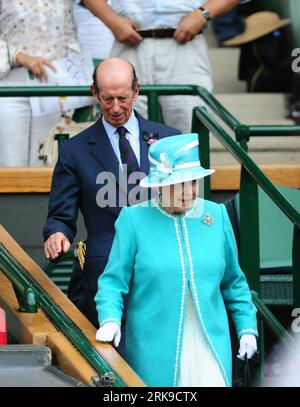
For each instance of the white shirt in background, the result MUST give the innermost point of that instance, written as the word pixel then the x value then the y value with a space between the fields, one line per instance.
pixel 94 37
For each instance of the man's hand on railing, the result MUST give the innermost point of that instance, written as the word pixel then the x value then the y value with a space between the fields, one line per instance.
pixel 248 344
pixel 55 245
pixel 109 332
pixel 35 64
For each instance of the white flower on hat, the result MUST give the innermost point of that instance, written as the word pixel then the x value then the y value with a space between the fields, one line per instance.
pixel 164 165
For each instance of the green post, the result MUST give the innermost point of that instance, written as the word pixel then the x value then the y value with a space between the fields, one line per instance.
pixel 26 299
pixel 20 298
pixel 244 145
pixel 275 326
pixel 34 294
pixel 242 135
pixel 296 267
pixel 204 151
pixel 61 137
pixel 30 301
pixel 249 230
pixel 153 107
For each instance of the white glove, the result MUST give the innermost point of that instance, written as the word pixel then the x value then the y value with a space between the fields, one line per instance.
pixel 109 332
pixel 248 345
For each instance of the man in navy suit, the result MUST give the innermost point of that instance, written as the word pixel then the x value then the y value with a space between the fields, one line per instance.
pixel 89 176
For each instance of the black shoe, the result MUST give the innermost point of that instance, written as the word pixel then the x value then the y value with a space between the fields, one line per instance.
pixel 294 111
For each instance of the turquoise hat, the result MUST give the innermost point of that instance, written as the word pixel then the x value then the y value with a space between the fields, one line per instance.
pixel 174 160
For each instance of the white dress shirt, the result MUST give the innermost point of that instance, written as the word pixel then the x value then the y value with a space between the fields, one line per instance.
pixel 94 37
pixel 156 13
pixel 133 132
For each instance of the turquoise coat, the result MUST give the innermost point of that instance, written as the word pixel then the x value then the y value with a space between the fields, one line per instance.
pixel 154 257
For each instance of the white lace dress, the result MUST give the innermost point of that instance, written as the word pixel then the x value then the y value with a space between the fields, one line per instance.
pixel 198 366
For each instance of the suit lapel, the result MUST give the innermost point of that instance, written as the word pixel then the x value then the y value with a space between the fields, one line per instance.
pixel 102 151
pixel 144 146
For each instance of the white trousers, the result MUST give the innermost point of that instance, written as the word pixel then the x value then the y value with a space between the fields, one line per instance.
pixel 164 61
pixel 20 133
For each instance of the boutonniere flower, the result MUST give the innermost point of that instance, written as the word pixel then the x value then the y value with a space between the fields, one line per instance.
pixel 150 138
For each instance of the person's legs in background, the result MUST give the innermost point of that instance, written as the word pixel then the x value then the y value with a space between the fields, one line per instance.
pixel 164 61
pixel 20 133
pixel 141 57
pixel 186 64
pixel 15 116
pixel 294 100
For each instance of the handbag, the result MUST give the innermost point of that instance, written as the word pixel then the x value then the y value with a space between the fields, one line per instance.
pixel 248 373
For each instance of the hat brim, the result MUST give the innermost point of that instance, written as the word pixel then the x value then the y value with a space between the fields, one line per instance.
pixel 154 180
pixel 259 32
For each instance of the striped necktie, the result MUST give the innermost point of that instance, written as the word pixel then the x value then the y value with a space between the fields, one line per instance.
pixel 126 151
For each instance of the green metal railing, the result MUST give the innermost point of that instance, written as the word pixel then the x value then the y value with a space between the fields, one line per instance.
pixel 151 91
pixel 242 131
pixel 272 322
pixel 36 296
pixel 251 175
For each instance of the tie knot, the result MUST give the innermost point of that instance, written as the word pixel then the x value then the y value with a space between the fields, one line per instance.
pixel 122 131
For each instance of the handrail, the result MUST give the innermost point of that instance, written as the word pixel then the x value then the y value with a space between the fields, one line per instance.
pixel 248 164
pixel 273 130
pixel 44 91
pixel 203 123
pixel 152 91
pixel 23 281
pixel 271 321
pixel 242 133
pixel 218 108
pixel 85 90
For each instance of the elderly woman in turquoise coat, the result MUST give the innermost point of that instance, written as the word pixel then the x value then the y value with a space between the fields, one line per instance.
pixel 175 258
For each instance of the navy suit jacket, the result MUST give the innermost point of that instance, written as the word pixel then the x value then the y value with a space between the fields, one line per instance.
pixel 74 187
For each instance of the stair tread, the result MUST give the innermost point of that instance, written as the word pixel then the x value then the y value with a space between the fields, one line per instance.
pixel 224 65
